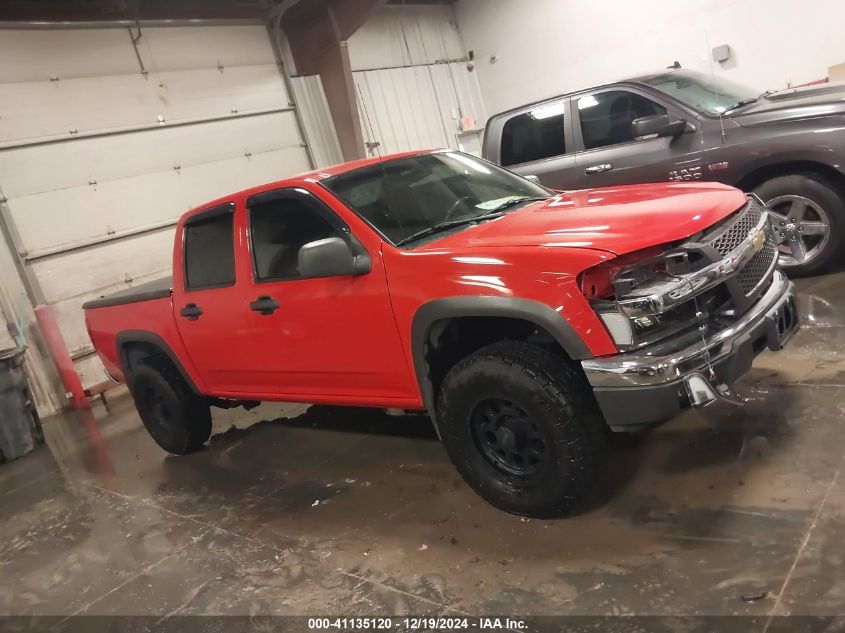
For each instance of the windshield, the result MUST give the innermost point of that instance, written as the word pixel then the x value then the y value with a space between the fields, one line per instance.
pixel 412 196
pixel 710 94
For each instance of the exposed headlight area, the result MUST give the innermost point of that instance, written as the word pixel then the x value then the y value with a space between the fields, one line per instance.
pixel 698 285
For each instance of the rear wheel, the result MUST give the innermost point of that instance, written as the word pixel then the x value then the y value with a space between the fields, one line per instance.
pixel 522 428
pixel 177 419
pixel 808 215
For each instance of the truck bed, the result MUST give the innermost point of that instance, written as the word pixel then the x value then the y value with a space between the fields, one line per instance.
pixel 157 289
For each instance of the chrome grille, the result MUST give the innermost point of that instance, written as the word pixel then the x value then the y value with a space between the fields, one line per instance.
pixel 741 225
pixel 759 265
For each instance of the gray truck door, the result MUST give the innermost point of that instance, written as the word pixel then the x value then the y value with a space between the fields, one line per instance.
pixel 608 154
pixel 537 141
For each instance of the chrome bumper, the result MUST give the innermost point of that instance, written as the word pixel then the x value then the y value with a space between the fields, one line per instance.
pixel 655 365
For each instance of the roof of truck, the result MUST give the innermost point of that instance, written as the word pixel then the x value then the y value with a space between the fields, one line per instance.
pixel 313 176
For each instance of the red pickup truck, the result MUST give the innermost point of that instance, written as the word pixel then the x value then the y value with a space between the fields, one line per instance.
pixel 527 323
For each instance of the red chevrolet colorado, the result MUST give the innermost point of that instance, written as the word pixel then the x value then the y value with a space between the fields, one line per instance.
pixel 527 323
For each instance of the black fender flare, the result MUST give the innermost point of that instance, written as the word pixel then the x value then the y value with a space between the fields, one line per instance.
pixel 127 337
pixel 539 314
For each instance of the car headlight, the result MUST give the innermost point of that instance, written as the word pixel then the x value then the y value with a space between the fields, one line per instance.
pixel 639 300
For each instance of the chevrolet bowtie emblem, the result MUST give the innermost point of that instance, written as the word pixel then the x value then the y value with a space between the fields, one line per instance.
pixel 759 241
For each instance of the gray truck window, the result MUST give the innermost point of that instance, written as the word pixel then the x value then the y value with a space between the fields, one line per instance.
pixel 713 95
pixel 535 135
pixel 210 251
pixel 278 230
pixel 606 117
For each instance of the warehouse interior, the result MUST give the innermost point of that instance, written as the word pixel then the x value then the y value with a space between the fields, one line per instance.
pixel 119 116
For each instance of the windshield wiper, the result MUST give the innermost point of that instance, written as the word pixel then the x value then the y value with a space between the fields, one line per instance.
pixel 445 226
pixel 740 103
pixel 515 201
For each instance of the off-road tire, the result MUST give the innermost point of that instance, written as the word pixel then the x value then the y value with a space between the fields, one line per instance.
pixel 558 401
pixel 819 190
pixel 175 417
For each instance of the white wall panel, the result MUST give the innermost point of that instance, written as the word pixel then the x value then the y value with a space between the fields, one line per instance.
pixel 44 109
pixel 546 47
pixel 416 107
pixel 406 36
pixel 137 184
pixel 38 55
pixel 317 120
pixel 122 180
pixel 42 168
pixel 195 47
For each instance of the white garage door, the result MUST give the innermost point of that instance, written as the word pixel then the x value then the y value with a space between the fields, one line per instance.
pixel 99 159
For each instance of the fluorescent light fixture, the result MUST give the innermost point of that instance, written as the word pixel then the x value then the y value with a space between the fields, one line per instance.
pixel 548 111
pixel 587 102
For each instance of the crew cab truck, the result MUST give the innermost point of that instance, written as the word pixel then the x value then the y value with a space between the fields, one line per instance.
pixel 527 323
pixel 786 146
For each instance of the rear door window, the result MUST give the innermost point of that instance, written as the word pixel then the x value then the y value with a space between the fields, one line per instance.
pixel 534 135
pixel 210 249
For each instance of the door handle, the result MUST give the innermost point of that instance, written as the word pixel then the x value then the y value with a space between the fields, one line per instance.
pixel 598 169
pixel 192 312
pixel 265 305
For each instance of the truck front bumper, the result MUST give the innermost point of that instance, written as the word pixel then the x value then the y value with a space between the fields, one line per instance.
pixel 651 385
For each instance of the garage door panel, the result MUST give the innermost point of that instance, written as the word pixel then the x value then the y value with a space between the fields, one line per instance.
pixel 96 214
pixel 44 109
pixel 44 168
pixel 88 273
pixel 65 217
pixel 190 47
pixel 71 279
pixel 32 55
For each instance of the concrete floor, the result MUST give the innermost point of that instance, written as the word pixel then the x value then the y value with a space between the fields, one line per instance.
pixel 345 511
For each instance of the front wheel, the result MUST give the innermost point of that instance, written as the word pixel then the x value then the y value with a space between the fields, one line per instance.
pixel 522 428
pixel 177 419
pixel 808 216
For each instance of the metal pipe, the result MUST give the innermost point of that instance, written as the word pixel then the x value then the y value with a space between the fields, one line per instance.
pixel 61 356
pixel 13 242
pixel 146 127
pixel 273 27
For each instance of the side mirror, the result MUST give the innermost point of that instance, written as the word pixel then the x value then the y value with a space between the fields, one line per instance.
pixel 657 125
pixel 533 178
pixel 333 257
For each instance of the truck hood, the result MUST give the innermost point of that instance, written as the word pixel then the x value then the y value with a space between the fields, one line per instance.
pixel 793 104
pixel 618 220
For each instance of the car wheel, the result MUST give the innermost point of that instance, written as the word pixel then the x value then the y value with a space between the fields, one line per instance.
pixel 808 216
pixel 522 427
pixel 177 419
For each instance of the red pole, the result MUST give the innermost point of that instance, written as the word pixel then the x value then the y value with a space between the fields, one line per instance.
pixel 61 356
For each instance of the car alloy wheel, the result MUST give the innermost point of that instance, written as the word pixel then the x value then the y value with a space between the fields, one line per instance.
pixel 802 228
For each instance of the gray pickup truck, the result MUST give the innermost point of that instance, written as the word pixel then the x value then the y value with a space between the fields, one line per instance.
pixel 788 147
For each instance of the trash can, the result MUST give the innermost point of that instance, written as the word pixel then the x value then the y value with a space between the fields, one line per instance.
pixel 20 429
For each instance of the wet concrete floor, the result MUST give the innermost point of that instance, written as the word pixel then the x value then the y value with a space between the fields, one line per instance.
pixel 296 510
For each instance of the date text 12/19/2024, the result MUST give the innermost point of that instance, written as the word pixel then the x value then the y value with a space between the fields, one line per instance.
pixel 422 623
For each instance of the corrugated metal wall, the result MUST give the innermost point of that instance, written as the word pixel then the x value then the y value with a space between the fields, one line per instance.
pixel 418 106
pixel 99 159
pixel 413 83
